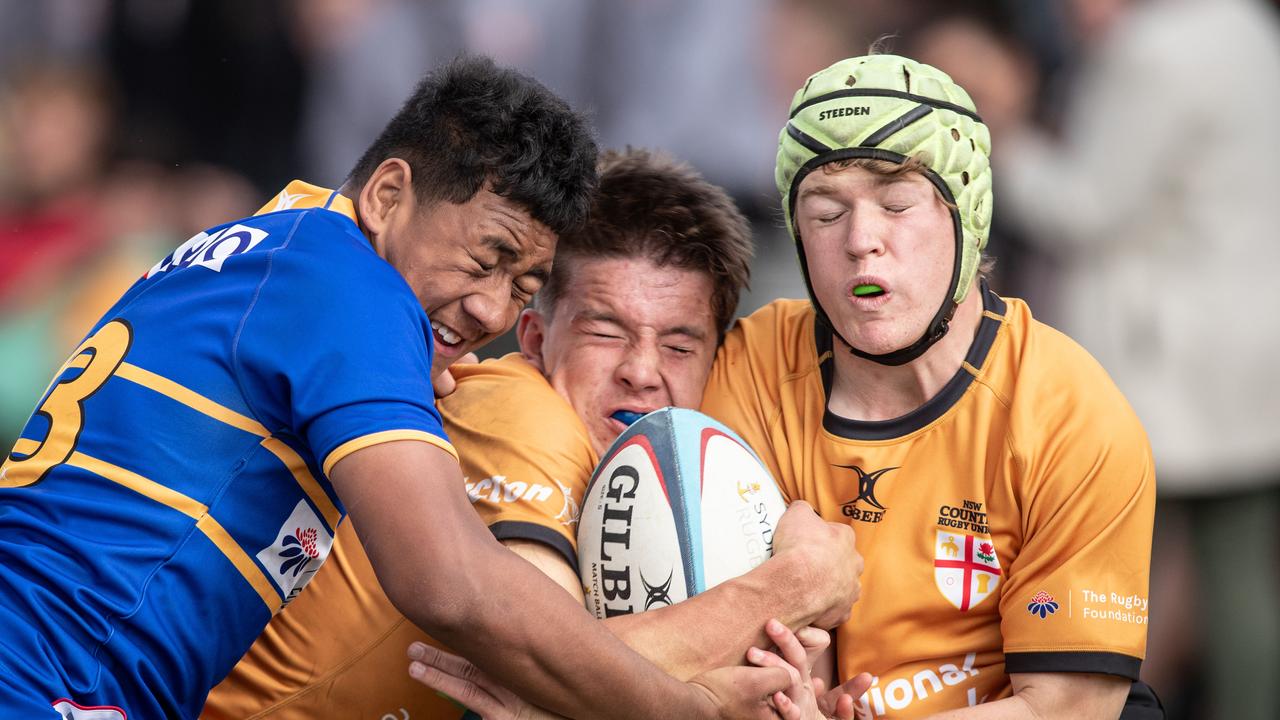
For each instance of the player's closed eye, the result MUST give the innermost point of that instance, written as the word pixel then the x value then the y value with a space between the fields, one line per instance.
pixel 483 268
pixel 524 290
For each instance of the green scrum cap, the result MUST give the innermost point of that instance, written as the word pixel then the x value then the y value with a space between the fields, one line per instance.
pixel 892 108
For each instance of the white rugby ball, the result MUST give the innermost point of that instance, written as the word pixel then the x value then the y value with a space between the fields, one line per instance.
pixel 679 504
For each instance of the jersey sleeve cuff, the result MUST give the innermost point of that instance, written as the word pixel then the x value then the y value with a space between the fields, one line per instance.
pixel 385 436
pixel 1106 663
pixel 517 530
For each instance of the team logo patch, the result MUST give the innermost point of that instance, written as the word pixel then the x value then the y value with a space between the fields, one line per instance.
pixel 286 200
pixel 300 548
pixel 866 494
pixel 70 710
pixel 1042 604
pixel 965 568
pixel 571 510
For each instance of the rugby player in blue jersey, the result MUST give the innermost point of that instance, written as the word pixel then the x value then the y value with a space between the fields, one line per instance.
pixel 183 476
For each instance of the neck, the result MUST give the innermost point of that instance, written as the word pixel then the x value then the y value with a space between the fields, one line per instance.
pixel 352 193
pixel 866 390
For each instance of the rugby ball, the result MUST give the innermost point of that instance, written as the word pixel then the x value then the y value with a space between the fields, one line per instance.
pixel 678 504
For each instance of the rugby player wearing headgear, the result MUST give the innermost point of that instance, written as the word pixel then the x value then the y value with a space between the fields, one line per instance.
pixel 184 474
pixel 1001 488
pixel 628 322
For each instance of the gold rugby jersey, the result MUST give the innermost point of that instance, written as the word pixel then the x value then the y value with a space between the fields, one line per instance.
pixel 1005 524
pixel 340 648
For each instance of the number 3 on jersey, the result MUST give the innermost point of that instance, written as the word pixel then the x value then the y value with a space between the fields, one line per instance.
pixel 63 407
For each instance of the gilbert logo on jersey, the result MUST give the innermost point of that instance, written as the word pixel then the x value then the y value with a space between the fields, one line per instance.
pixel 866 494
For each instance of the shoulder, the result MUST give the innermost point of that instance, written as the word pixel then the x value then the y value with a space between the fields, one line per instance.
pixel 511 377
pixel 766 369
pixel 1044 362
pixel 779 316
pixel 778 339
pixel 327 247
pixel 1058 394
pixel 324 270
pixel 507 398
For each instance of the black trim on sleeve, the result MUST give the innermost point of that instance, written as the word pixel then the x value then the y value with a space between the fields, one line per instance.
pixel 1107 663
pixel 1142 704
pixel 519 530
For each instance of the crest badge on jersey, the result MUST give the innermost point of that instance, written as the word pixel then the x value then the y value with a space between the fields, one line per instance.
pixel 301 546
pixel 965 568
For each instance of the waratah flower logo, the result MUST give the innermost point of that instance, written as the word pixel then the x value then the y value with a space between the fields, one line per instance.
pixel 987 552
pixel 1042 604
pixel 299 551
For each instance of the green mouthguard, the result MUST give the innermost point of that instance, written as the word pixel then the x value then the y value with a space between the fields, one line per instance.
pixel 867 290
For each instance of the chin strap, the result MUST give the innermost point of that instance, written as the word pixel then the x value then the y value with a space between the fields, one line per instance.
pixel 942 319
pixel 938 327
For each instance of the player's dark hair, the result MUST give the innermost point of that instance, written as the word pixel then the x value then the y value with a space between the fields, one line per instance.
pixel 652 206
pixel 471 121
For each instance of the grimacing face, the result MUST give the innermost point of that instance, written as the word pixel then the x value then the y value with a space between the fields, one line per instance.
pixel 880 252
pixel 626 334
pixel 473 265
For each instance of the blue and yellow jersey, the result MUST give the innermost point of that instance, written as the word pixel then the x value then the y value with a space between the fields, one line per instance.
pixel 169 494
pixel 526 457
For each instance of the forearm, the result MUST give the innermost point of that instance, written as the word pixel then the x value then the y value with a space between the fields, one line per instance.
pixel 552 652
pixel 1052 696
pixel 1010 708
pixel 811 579
pixel 443 570
pixel 715 628
pixel 710 630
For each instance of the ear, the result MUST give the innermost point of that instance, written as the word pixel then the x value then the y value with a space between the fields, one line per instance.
pixel 389 187
pixel 531 332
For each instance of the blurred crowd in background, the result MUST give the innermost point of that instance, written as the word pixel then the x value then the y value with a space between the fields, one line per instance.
pixel 1136 149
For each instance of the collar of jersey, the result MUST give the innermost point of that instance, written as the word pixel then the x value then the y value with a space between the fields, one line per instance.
pixel 300 195
pixel 936 407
